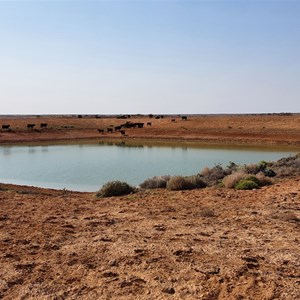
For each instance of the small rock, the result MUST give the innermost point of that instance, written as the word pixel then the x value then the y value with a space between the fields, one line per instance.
pixel 168 291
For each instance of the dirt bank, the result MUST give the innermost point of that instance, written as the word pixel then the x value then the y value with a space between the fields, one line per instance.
pixel 202 244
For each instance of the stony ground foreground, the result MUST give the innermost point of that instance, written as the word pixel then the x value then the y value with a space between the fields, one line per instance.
pixel 213 243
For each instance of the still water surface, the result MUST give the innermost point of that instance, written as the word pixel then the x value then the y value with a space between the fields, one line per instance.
pixel 85 167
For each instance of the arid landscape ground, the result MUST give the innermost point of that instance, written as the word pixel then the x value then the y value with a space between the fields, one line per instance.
pixel 211 243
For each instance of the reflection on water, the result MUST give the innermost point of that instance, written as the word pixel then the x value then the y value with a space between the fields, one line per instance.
pixel 86 167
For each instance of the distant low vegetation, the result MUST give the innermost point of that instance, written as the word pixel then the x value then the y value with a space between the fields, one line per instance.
pixel 115 188
pixel 233 176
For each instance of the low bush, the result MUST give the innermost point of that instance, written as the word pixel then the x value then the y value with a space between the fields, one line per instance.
pixel 212 176
pixel 114 188
pixel 178 183
pixel 263 179
pixel 197 181
pixel 286 167
pixel 246 184
pixel 155 182
pixel 231 180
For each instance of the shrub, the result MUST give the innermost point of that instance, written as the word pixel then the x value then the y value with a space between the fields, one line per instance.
pixel 178 183
pixel 246 184
pixel 287 167
pixel 263 179
pixel 213 175
pixel 231 180
pixel 251 168
pixel 115 188
pixel 155 182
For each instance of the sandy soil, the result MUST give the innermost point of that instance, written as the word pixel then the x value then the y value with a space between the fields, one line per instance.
pixel 234 129
pixel 156 244
pixel 213 243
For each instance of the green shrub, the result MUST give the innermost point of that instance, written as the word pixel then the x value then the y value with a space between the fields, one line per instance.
pixel 253 178
pixel 231 180
pixel 178 183
pixel 246 184
pixel 155 182
pixel 114 188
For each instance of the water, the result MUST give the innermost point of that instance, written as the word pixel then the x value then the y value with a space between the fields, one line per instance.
pixel 85 167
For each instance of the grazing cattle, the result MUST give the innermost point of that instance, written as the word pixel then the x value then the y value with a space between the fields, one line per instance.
pixel 139 125
pixel 44 125
pixel 184 118
pixel 157 117
pixel 30 126
pixel 149 123
pixel 5 127
pixel 79 116
pixel 117 128
pixel 173 120
pixel 122 132
pixel 101 131
pixel 109 129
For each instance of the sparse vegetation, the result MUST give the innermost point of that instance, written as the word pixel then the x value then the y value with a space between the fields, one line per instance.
pixel 155 182
pixel 213 176
pixel 231 180
pixel 115 188
pixel 286 167
pixel 246 184
pixel 178 183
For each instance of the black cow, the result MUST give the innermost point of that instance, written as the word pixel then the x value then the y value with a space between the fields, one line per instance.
pixel 109 129
pixel 173 120
pixel 44 125
pixel 149 123
pixel 101 130
pixel 5 127
pixel 117 128
pixel 122 132
pixel 139 125
pixel 30 126
pixel 184 118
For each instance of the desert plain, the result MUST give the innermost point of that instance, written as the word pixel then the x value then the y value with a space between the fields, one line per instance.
pixel 211 243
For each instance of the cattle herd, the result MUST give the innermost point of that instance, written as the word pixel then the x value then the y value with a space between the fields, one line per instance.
pixel 7 127
pixel 110 129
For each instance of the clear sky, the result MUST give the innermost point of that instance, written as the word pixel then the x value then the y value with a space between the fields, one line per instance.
pixel 111 57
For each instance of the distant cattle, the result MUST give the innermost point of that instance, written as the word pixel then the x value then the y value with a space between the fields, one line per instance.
pixel 149 123
pixel 184 118
pixel 109 129
pixel 101 131
pixel 30 126
pixel 44 125
pixel 118 128
pixel 5 127
pixel 173 120
pixel 122 132
pixel 139 125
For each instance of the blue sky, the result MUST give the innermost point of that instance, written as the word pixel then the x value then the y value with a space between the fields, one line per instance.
pixel 110 57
